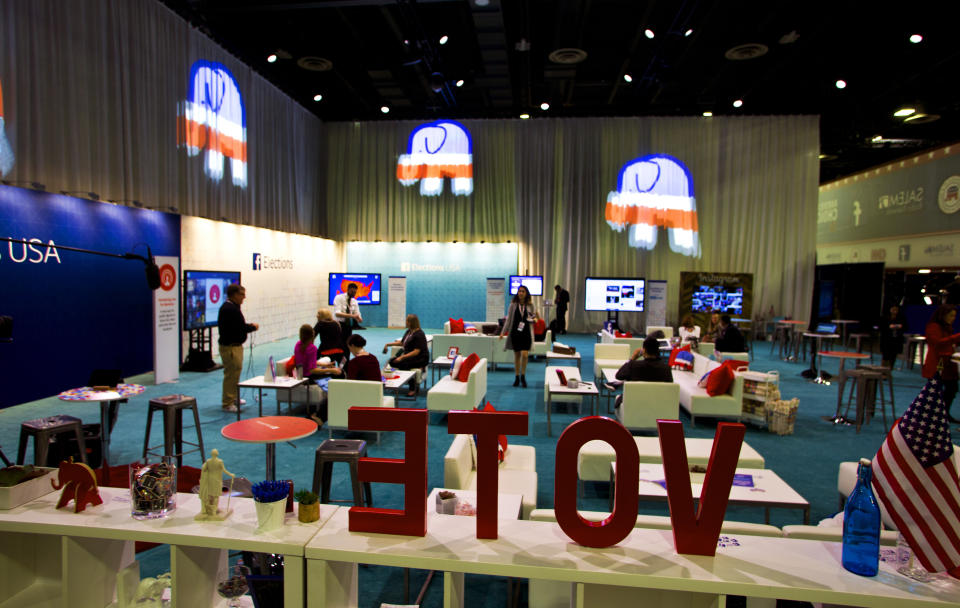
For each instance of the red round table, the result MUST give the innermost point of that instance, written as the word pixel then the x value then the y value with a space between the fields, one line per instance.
pixel 841 376
pixel 270 430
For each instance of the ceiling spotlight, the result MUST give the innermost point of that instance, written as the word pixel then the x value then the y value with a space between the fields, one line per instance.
pixel 385 109
pixel 460 83
pixel 924 271
pixel 317 97
pixel 544 106
pixel 649 33
pixel 738 103
pixel 904 112
pixel 687 33
pixel 707 114
pixel 524 116
pixel 272 58
pixel 444 39
pixel 627 78
pixel 928 300
pixel 916 38
pixel 876 139
pixel 841 84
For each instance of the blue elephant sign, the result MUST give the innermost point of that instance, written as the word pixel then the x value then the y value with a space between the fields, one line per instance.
pixel 213 119
pixel 654 191
pixel 6 152
pixel 436 150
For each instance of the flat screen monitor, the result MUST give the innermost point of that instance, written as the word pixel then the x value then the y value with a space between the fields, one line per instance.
pixel 204 292
pixel 368 286
pixel 626 295
pixel 717 298
pixel 533 283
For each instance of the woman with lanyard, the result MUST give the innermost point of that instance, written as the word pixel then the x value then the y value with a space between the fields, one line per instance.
pixel 519 331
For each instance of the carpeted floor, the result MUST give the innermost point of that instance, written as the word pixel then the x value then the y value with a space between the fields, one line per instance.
pixel 807 459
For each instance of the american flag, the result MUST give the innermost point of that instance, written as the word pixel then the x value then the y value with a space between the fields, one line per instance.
pixel 916 479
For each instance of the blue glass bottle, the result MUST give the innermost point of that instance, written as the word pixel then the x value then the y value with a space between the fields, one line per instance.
pixel 861 526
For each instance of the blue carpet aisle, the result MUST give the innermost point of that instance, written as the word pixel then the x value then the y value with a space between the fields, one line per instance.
pixel 807 460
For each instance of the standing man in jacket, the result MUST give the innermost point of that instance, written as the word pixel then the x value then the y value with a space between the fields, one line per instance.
pixel 561 300
pixel 233 333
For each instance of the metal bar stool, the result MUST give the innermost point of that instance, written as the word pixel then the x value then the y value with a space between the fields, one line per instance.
pixel 867 385
pixel 172 407
pixel 887 375
pixel 857 339
pixel 42 430
pixel 781 338
pixel 340 450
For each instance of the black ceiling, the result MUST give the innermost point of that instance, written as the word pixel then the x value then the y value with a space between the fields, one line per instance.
pixel 386 52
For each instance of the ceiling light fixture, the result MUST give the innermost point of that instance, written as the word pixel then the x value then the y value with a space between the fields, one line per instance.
pixel 841 84
pixel 924 271
pixel 707 114
pixel 649 33
pixel 904 112
pixel 444 39
pixel 544 106
pixel 687 33
pixel 385 109
pixel 271 58
pixel 916 38
pixel 317 97
pixel 627 78
pixel 877 138
pixel 524 116
pixel 738 103
pixel 460 83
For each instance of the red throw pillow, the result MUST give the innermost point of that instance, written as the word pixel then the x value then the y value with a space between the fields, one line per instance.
pixel 673 354
pixel 719 381
pixel 622 334
pixel 540 327
pixel 501 439
pixel 456 326
pixel 468 364
pixel 289 365
pixel 734 364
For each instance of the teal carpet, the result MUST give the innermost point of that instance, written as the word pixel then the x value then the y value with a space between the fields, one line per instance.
pixel 807 460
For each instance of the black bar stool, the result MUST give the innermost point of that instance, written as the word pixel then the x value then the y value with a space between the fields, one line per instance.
pixel 172 407
pixel 340 450
pixel 42 430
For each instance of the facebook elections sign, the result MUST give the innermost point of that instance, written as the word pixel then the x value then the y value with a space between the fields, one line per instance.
pixel 75 312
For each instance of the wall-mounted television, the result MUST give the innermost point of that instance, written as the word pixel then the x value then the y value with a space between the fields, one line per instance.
pixel 204 292
pixel 368 286
pixel 533 283
pixel 626 295
pixel 717 298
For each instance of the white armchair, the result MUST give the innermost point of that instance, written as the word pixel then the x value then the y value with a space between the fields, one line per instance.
pixel 517 473
pixel 608 356
pixel 344 394
pixel 645 402
pixel 542 348
pixel 449 394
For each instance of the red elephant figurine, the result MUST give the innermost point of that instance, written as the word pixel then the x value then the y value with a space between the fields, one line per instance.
pixel 79 484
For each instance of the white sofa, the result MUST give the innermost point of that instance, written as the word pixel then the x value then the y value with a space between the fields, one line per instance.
pixel 667 331
pixel 344 394
pixel 449 394
pixel 646 402
pixel 697 402
pixel 632 343
pixel 490 348
pixel 517 473
pixel 608 355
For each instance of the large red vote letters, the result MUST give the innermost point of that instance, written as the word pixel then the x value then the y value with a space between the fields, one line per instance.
pixel 693 533
pixel 411 471
pixel 486 426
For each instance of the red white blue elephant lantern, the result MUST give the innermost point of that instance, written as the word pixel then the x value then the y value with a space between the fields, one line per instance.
pixel 654 191
pixel 436 150
pixel 214 119
pixel 6 151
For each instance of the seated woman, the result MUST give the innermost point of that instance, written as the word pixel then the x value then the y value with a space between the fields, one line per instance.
pixel 415 354
pixel 689 331
pixel 305 353
pixel 361 366
pixel 329 332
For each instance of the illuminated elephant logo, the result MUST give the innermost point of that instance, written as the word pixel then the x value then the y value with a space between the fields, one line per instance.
pixel 79 485
pixel 213 118
pixel 6 152
pixel 654 191
pixel 437 150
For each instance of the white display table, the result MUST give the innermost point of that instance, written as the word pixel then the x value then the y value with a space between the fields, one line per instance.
pixel 752 566
pixel 51 557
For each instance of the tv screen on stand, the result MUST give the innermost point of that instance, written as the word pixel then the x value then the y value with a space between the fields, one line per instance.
pixel 368 286
pixel 621 295
pixel 204 292
pixel 533 283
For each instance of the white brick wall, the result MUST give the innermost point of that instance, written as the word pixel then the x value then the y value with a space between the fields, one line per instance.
pixel 280 300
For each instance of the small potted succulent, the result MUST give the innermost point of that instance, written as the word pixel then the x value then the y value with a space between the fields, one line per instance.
pixel 447 503
pixel 309 509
